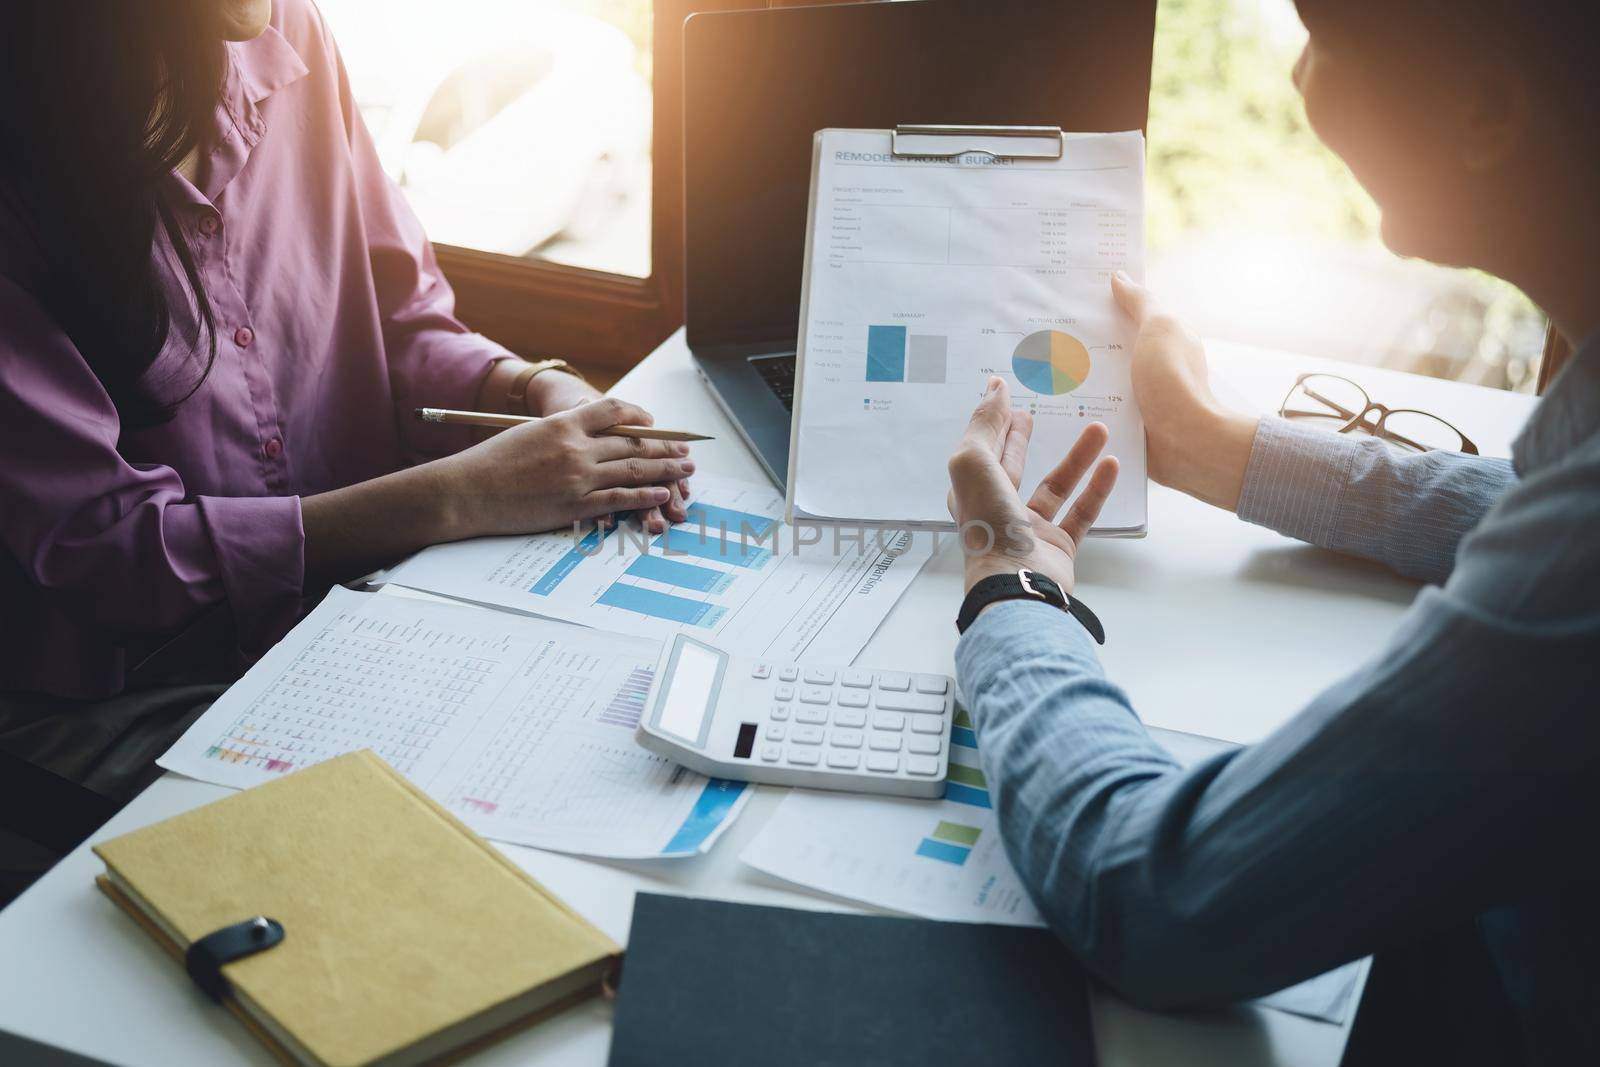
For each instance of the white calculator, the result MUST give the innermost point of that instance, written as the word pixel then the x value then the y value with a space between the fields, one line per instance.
pixel 786 724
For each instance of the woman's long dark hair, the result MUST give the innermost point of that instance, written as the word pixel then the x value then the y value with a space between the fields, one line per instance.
pixel 99 101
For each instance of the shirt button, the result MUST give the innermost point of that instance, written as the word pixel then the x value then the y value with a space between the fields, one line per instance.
pixel 243 336
pixel 209 225
pixel 274 448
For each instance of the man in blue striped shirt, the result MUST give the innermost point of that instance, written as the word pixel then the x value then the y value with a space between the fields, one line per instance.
pixel 1452 784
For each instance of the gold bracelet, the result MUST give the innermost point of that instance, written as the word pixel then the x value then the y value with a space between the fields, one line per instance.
pixel 517 396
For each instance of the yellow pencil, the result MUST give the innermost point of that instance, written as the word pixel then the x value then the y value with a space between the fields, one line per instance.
pixel 489 418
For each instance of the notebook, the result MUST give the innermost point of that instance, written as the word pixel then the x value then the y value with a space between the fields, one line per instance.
pixel 407 938
pixel 713 983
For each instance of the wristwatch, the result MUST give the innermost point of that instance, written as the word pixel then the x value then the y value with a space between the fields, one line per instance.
pixel 1026 585
pixel 517 395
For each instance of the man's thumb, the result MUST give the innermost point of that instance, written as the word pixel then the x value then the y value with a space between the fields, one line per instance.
pixel 1131 297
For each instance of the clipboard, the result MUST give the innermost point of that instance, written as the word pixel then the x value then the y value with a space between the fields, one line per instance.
pixel 896 361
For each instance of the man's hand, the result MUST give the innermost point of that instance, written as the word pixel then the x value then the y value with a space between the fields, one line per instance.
pixel 999 534
pixel 1197 445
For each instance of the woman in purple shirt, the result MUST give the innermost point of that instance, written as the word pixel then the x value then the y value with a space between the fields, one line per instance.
pixel 216 314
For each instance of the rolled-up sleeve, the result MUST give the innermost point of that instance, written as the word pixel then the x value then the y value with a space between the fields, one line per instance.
pixel 123 549
pixel 434 360
pixel 1355 494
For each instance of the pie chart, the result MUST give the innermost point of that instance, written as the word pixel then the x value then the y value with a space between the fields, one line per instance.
pixel 1051 362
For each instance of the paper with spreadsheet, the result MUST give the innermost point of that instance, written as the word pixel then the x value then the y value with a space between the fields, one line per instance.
pixel 924 277
pixel 522 728
pixel 735 575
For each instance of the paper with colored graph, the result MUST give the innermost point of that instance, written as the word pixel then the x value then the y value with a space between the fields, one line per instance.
pixel 941 859
pixel 521 727
pixel 924 278
pixel 944 859
pixel 734 575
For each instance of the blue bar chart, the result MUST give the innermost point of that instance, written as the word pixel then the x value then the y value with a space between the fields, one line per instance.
pixel 683 575
pixel 646 601
pixel 886 353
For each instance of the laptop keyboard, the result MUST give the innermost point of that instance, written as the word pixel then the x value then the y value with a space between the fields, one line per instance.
pixel 778 373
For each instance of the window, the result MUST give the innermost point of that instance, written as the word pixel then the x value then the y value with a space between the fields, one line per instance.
pixel 1258 234
pixel 516 127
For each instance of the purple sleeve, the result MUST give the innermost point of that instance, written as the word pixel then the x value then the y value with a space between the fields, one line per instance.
pixel 434 360
pixel 122 548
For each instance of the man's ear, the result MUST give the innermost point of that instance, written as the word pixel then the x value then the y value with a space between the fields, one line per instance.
pixel 1492 114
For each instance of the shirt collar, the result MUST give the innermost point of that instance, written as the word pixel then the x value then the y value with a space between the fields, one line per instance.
pixel 264 64
pixel 257 68
pixel 1568 415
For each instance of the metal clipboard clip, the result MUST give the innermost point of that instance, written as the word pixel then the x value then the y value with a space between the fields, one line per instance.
pixel 1057 141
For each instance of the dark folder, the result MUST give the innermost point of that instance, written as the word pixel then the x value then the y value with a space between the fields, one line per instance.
pixel 712 983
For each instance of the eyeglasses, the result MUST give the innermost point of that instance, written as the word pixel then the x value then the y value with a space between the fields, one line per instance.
pixel 1342 406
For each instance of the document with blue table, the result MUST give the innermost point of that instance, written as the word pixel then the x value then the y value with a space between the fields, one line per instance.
pixel 925 277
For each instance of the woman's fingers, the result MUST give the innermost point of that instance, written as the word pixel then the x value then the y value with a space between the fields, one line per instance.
pixel 1087 507
pixel 1059 483
pixel 639 471
pixel 674 509
pixel 623 498
pixel 609 448
pixel 603 414
pixel 654 521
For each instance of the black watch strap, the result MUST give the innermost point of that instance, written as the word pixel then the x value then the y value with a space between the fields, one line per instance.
pixel 1026 585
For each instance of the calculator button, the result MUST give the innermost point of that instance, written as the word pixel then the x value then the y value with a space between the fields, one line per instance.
pixel 780 712
pixel 805 756
pixel 889 742
pixel 853 719
pixel 889 720
pixel 909 702
pixel 806 735
pixel 878 761
pixel 771 753
pixel 819 675
pixel 922 765
pixel 788 674
pixel 932 683
pixel 926 724
pixel 811 715
pixel 761 670
pixel 897 683
pixel 783 692
pixel 856 678
pixel 849 698
pixel 926 746
pixel 775 731
pixel 845 738
pixel 849 760
pixel 814 694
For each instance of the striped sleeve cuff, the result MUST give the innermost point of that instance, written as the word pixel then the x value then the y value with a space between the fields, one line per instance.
pixel 1295 480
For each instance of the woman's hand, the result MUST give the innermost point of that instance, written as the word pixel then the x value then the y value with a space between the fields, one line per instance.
pixel 999 534
pixel 1197 445
pixel 549 474
pixel 555 391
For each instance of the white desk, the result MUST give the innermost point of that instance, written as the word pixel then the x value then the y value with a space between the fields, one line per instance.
pixel 1215 627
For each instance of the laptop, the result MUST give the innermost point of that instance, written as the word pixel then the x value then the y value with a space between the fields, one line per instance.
pixel 759 83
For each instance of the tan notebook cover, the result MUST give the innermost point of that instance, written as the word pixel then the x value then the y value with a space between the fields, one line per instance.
pixel 406 936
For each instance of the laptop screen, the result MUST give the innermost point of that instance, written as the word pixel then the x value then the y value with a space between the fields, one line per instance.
pixel 758 84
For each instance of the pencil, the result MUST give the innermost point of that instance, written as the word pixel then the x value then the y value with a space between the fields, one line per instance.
pixel 489 418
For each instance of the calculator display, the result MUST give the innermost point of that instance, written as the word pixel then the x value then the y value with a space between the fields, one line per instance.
pixel 688 698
